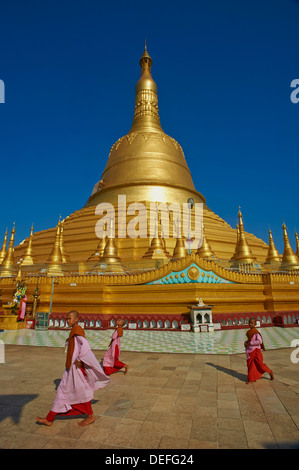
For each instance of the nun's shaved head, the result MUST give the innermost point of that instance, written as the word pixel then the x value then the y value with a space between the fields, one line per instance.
pixel 74 314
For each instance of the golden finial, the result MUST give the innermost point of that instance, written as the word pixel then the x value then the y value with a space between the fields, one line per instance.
pixel 98 254
pixel 180 250
pixel 29 258
pixel 157 250
pixel 4 248
pixel 65 256
pixel 205 250
pixel 237 243
pixel 145 59
pixel 146 116
pixel 242 252
pixel 8 264
pixel 55 259
pixel 273 255
pixel 111 258
pixel 289 260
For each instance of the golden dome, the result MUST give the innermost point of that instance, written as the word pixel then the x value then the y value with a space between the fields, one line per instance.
pixel 146 164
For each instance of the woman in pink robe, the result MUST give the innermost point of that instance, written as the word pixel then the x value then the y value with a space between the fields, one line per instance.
pixel 22 308
pixel 254 357
pixel 111 363
pixel 82 376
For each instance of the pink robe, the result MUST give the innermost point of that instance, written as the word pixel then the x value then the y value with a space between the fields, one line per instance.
pixel 75 386
pixel 111 363
pixel 255 343
pixel 255 363
pixel 109 357
pixel 22 308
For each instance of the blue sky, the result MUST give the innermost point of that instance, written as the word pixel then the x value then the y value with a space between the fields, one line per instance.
pixel 223 70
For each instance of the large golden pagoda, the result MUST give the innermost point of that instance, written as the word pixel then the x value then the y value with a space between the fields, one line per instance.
pixel 147 166
pixel 153 274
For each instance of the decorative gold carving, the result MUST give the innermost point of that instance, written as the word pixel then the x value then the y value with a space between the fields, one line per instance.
pixel 131 136
pixel 193 273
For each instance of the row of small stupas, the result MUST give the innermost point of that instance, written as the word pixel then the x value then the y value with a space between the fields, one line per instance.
pixel 106 252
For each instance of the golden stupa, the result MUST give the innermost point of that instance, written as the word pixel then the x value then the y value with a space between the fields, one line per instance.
pixel 146 276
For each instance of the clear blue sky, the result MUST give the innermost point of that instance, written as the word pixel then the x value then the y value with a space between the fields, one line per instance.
pixel 223 70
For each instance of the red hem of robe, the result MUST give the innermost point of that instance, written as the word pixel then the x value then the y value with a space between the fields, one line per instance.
pixel 256 366
pixel 116 366
pixel 77 409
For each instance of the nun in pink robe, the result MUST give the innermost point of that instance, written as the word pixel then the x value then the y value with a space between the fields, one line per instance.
pixel 111 363
pixel 77 386
pixel 22 308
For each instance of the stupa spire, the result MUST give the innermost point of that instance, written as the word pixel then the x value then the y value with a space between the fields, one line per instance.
pixel 289 259
pixel 237 243
pixel 146 115
pixel 65 256
pixel 98 254
pixel 9 259
pixel 273 254
pixel 180 250
pixel 243 252
pixel 55 259
pixel 110 256
pixel 205 250
pixel 4 248
pixel 8 265
pixel 29 258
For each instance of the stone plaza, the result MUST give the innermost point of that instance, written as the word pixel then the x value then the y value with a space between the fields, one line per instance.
pixel 167 400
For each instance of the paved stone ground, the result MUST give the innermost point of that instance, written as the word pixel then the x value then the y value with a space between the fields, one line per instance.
pixel 166 401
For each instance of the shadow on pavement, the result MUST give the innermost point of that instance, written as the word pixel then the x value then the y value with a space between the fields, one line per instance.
pixel 233 373
pixel 12 406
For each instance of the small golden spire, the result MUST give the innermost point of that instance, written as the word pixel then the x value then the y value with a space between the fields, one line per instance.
pixel 237 244
pixel 273 255
pixel 111 258
pixel 65 256
pixel 205 250
pixel 55 259
pixel 98 254
pixel 29 258
pixel 157 250
pixel 289 260
pixel 4 248
pixel 110 251
pixel 8 265
pixel 180 250
pixel 243 252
